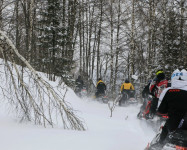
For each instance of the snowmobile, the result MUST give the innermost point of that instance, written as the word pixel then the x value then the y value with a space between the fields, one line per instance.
pixel 84 92
pixel 81 92
pixel 103 98
pixel 128 98
pixel 157 121
pixel 144 109
pixel 154 121
pixel 176 140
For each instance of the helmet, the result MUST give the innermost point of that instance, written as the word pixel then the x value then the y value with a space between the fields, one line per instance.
pixel 178 75
pixel 159 72
pixel 99 79
pixel 160 75
pixel 184 75
pixel 126 80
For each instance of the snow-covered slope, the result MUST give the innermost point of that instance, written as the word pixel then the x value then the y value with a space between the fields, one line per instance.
pixel 123 131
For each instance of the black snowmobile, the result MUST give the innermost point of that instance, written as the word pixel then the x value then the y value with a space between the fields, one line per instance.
pixel 81 91
pixel 127 98
pixel 102 97
pixel 176 140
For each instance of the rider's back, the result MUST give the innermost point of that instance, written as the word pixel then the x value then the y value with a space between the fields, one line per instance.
pixel 174 102
pixel 101 86
pixel 174 99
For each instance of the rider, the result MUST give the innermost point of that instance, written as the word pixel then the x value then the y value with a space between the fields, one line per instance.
pixel 174 104
pixel 146 100
pixel 155 89
pixel 145 92
pixel 79 84
pixel 101 87
pixel 125 88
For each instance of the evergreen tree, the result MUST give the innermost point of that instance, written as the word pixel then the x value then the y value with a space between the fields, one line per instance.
pixel 171 53
pixel 53 42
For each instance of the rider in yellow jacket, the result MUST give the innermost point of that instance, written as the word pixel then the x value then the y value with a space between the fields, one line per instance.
pixel 101 88
pixel 125 88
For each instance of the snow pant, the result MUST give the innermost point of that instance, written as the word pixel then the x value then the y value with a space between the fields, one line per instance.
pixel 154 104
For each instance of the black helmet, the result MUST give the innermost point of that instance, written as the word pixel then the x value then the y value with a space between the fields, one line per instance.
pixel 160 75
pixel 159 72
pixel 99 79
pixel 126 80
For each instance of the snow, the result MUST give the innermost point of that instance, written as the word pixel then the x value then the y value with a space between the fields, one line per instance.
pixel 122 131
pixel 135 77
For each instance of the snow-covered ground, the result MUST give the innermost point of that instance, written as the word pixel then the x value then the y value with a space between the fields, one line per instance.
pixel 121 132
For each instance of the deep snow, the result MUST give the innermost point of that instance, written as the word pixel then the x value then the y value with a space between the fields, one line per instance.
pixel 122 131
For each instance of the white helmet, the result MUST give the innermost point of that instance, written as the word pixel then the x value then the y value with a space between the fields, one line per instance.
pixel 184 75
pixel 175 75
pixel 179 75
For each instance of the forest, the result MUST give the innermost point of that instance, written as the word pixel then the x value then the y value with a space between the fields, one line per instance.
pixel 111 39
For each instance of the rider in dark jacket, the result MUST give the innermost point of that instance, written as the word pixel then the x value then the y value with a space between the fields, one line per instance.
pixel 101 87
pixel 146 99
pixel 174 103
pixel 79 84
pixel 155 88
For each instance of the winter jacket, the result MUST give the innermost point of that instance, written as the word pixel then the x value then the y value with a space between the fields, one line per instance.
pixel 157 86
pixel 79 83
pixel 101 87
pixel 174 103
pixel 127 86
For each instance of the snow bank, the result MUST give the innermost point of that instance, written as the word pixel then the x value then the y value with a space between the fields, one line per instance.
pixel 121 132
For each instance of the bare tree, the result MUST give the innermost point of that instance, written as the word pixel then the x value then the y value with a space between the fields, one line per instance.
pixel 99 37
pixel 117 43
pixel 30 107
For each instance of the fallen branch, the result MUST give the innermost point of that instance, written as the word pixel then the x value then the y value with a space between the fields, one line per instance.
pixel 41 107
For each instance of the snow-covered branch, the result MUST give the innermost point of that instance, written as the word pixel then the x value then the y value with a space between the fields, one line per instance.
pixel 35 100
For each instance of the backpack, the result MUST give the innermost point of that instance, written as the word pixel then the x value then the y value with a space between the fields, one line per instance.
pixel 161 86
pixel 156 88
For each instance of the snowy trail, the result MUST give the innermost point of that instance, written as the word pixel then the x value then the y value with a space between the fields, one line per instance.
pixel 121 132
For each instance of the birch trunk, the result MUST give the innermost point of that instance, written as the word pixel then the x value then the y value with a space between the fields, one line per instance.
pixel 99 39
pixel 111 49
pixel 132 53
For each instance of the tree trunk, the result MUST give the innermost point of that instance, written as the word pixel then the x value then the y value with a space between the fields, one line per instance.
pixel 1 14
pixel 117 41
pixel 99 38
pixel 181 54
pixel 132 53
pixel 30 29
pixel 111 49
